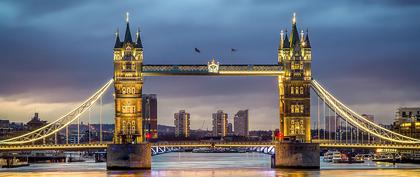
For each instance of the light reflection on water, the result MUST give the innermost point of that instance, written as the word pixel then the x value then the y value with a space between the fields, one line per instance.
pixel 221 164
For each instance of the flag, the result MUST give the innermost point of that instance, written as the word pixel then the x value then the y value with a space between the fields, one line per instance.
pixel 233 50
pixel 197 50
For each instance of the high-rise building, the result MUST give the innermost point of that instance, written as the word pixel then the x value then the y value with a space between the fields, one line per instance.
pixel 230 129
pixel 149 116
pixel 408 121
pixel 182 124
pixel 241 123
pixel 220 123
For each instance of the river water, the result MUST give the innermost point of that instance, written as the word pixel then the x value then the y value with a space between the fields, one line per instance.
pixel 213 164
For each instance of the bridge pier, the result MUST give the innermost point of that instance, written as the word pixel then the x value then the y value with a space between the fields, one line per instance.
pixel 296 155
pixel 129 156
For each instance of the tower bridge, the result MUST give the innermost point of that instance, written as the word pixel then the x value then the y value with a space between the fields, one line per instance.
pixel 293 72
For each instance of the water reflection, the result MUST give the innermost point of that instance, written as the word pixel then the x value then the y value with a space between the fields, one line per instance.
pixel 212 165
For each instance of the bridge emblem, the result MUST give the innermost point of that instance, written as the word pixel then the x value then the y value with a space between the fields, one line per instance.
pixel 213 66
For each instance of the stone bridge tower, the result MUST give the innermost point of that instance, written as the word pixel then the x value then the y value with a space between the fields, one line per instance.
pixel 128 59
pixel 294 55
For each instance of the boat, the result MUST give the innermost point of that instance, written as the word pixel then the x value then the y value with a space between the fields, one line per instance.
pixel 328 156
pixel 14 163
pixel 336 157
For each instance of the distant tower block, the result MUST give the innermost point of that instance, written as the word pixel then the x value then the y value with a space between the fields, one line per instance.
pixel 294 55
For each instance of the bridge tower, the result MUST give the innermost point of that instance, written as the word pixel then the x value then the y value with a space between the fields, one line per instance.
pixel 294 55
pixel 128 58
pixel 128 150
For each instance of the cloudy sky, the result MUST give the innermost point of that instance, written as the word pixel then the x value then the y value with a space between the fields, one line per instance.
pixel 54 54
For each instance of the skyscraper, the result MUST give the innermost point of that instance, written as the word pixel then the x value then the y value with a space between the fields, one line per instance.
pixel 230 129
pixel 149 116
pixel 220 124
pixel 241 123
pixel 182 124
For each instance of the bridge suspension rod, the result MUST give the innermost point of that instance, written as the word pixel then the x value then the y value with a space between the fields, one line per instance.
pixel 359 121
pixel 61 123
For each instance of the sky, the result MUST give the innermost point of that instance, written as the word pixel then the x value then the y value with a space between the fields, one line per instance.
pixel 54 54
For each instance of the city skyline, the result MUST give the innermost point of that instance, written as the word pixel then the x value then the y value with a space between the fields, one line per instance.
pixel 66 68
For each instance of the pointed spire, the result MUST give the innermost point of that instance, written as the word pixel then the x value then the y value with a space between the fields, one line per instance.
pixel 294 36
pixel 117 39
pixel 286 43
pixel 281 39
pixel 307 42
pixel 302 36
pixel 138 39
pixel 127 37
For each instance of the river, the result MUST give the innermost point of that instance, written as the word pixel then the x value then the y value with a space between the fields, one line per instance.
pixel 212 164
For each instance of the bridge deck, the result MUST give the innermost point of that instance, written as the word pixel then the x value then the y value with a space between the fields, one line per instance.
pixel 223 70
pixel 202 144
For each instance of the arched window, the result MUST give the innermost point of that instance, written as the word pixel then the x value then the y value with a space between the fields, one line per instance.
pixel 124 90
pixel 128 128
pixel 301 90
pixel 297 108
pixel 292 91
pixel 301 108
pixel 292 109
pixel 123 127
pixel 133 127
pixel 297 90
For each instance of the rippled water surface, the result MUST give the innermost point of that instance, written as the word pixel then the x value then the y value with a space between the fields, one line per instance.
pixel 215 164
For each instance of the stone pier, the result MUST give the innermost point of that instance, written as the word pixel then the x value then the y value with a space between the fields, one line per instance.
pixel 296 155
pixel 129 156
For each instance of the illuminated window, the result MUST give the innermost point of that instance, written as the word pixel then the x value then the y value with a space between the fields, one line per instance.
pixel 133 127
pixel 292 90
pixel 128 109
pixel 123 127
pixel 301 90
pixel 292 127
pixel 128 128
pixel 297 90
pixel 302 129
pixel 292 109
pixel 297 107
pixel 301 108
pixel 124 90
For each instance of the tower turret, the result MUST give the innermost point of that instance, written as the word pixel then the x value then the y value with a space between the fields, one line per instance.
pixel 307 42
pixel 294 35
pixel 138 39
pixel 127 37
pixel 117 40
pixel 286 43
